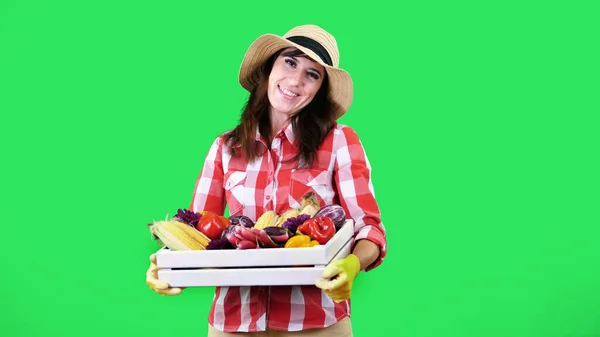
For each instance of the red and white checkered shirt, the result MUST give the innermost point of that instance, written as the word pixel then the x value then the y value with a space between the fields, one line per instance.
pixel 342 176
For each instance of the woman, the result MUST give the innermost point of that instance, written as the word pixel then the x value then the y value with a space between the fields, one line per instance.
pixel 288 143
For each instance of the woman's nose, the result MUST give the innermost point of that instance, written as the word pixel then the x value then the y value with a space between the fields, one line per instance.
pixel 295 78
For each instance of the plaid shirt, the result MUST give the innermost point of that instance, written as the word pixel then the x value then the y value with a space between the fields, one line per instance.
pixel 342 176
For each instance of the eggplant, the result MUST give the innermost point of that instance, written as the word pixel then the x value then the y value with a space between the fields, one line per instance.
pixel 241 220
pixel 278 234
pixel 335 213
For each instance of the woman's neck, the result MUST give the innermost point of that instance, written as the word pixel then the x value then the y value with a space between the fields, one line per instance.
pixel 278 122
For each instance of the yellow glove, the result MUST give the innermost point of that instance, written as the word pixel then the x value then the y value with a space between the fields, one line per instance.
pixel 157 285
pixel 338 277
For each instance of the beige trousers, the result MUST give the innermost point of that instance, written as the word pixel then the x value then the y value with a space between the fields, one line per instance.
pixel 342 328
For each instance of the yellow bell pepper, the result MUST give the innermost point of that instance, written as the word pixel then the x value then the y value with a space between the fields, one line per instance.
pixel 299 241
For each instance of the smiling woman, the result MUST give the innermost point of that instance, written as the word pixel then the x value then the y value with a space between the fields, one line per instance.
pixel 294 81
pixel 291 88
pixel 288 144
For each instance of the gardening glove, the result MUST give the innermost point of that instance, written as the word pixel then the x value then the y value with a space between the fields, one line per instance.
pixel 157 285
pixel 338 277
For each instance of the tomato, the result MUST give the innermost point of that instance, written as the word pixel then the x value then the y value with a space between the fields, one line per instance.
pixel 212 225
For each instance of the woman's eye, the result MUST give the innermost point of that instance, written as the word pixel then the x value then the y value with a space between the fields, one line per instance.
pixel 315 76
pixel 290 62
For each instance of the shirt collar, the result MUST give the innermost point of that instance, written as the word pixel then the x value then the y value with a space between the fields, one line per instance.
pixel 287 132
pixel 290 134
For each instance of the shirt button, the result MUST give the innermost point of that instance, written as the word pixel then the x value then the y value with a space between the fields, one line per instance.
pixel 268 197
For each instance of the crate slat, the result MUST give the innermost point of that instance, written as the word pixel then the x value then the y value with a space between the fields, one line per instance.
pixel 252 276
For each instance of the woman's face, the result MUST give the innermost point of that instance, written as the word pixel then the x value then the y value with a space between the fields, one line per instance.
pixel 293 83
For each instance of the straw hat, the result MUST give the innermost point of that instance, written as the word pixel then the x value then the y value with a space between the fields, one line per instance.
pixel 315 42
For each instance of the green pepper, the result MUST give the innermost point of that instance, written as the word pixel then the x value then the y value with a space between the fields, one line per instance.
pixel 321 229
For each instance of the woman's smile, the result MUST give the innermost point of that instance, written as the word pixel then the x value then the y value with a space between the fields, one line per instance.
pixel 287 94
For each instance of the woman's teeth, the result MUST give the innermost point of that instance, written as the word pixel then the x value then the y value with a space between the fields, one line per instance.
pixel 287 93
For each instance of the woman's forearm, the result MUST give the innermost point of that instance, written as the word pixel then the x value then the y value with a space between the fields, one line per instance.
pixel 367 252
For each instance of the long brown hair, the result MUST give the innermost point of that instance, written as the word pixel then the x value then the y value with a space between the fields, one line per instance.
pixel 311 124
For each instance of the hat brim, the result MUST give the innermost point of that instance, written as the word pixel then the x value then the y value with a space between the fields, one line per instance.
pixel 340 89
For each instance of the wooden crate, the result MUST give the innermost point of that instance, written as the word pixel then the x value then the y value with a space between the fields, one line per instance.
pixel 252 267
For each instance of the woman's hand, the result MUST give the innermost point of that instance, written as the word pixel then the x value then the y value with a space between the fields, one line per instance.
pixel 338 277
pixel 157 285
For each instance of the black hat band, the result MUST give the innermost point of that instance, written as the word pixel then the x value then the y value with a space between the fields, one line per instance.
pixel 313 45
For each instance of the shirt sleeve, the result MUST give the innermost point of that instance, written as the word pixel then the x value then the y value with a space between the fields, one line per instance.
pixel 209 194
pixel 357 197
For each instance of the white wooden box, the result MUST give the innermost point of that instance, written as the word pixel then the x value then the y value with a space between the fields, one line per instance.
pixel 252 267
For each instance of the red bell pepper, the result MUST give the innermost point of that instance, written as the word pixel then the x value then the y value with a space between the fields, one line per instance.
pixel 321 229
pixel 212 225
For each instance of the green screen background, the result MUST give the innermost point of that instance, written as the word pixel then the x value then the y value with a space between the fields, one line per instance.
pixel 479 119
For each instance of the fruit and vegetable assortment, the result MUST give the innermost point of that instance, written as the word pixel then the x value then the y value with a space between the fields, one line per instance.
pixel 306 226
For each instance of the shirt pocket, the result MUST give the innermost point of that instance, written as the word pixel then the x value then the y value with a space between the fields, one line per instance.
pixel 304 181
pixel 235 191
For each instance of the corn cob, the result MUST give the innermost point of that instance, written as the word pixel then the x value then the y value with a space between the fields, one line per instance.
pixel 197 235
pixel 310 204
pixel 290 213
pixel 267 219
pixel 174 236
